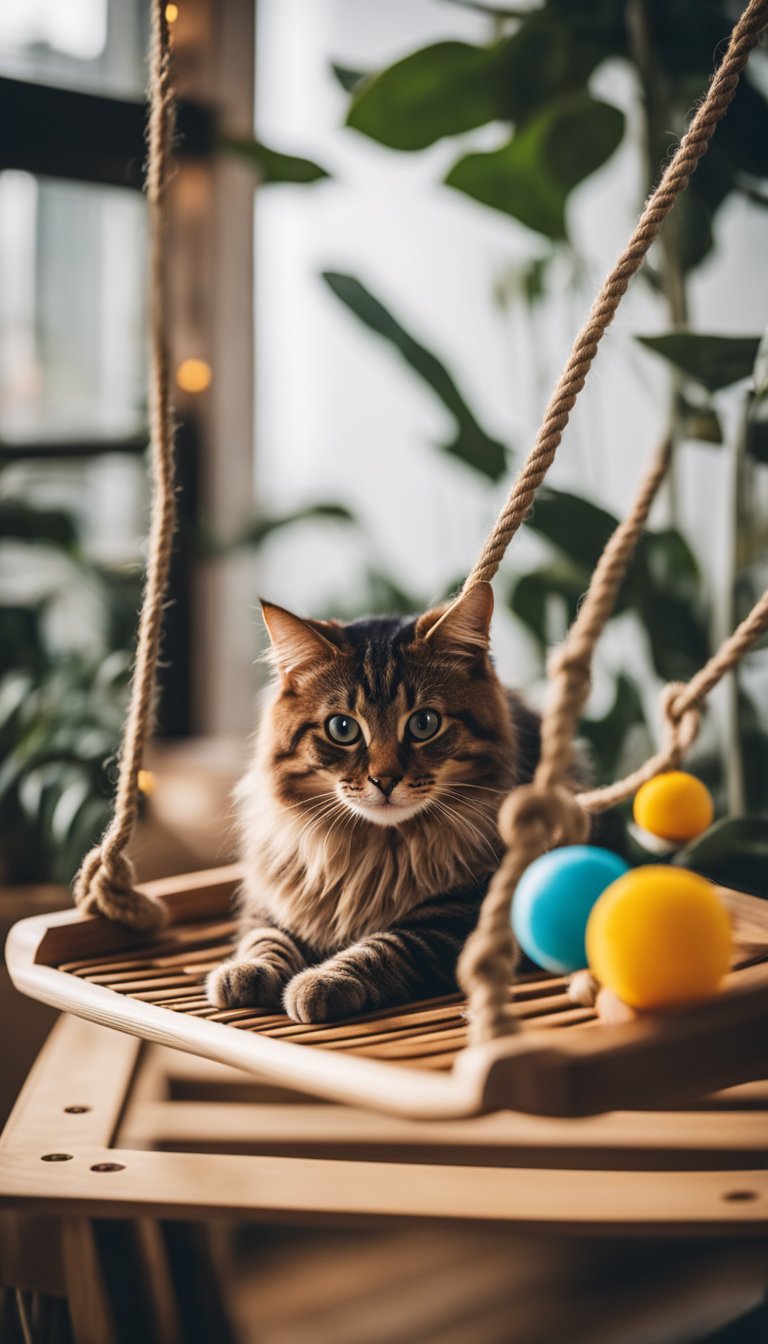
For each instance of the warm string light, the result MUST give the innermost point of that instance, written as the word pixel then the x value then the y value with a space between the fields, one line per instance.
pixel 147 782
pixel 193 375
pixel 171 13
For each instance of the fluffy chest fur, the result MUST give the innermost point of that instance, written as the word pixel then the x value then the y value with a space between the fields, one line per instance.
pixel 331 883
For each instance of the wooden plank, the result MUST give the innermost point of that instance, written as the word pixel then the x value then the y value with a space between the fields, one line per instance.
pixel 75 1090
pixel 168 1123
pixel 193 1185
pixel 124 962
pixel 192 896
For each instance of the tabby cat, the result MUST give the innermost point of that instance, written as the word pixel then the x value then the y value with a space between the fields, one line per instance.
pixel 368 815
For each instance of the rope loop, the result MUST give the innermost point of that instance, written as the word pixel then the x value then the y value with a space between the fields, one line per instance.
pixel 106 885
pixel 535 818
pixel 682 721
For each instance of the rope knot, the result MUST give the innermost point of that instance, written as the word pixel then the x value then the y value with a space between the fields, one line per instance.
pixel 681 722
pixel 106 885
pixel 534 819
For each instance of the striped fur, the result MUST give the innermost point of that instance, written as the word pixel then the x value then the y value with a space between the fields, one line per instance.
pixel 366 862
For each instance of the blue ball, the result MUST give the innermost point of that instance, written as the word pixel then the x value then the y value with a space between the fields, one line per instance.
pixel 553 901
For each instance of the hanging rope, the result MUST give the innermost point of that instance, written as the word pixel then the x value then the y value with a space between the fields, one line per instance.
pixel 546 812
pixel 106 881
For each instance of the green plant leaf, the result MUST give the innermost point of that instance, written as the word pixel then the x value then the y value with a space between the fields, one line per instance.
pixel 607 736
pixel 743 134
pixel 256 532
pixel 700 422
pixel 471 445
pixel 274 166
pixel 532 595
pixel 532 176
pixel 757 411
pixel 452 87
pixel 444 89
pixel 733 853
pixel 696 209
pixel 20 521
pixel 669 562
pixel 349 80
pixel 713 361
pixel 676 631
pixel 576 526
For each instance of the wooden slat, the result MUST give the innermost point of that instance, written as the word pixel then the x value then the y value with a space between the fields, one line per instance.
pixel 191 1186
pixel 213 1125
pixel 79 1066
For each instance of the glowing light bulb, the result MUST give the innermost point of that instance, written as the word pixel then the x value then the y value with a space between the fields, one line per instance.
pixel 146 781
pixel 171 13
pixel 194 375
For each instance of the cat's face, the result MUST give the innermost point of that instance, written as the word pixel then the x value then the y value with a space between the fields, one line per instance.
pixel 388 718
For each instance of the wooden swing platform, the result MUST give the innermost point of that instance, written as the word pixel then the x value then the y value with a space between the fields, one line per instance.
pixel 412 1060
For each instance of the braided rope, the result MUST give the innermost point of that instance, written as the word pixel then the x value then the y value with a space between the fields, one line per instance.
pixel 106 881
pixel 545 813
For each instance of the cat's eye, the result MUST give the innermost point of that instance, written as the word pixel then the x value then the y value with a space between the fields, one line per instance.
pixel 423 724
pixel 342 729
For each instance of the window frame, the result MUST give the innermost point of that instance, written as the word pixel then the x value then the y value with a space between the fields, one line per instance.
pixel 93 138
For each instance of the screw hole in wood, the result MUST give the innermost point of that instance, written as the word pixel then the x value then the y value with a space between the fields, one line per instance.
pixel 108 1166
pixel 740 1196
pixel 56 1157
pixel 76 1110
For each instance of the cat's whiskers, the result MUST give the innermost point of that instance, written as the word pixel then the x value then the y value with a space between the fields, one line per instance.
pixel 323 814
pixel 486 813
pixel 316 799
pixel 453 814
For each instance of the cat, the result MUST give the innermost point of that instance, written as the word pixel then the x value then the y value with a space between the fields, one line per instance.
pixel 368 816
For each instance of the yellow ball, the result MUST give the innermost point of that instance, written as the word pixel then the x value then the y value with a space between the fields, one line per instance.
pixel 675 806
pixel 659 937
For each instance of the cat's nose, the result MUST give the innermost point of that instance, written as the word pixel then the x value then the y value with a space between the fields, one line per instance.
pixel 385 783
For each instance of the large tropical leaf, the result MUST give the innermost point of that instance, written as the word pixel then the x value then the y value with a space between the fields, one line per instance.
pixel 532 175
pixel 442 90
pixel 452 87
pixel 532 597
pixel 576 526
pixel 471 444
pixel 713 361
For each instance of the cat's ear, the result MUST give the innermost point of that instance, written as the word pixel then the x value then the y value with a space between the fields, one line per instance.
pixel 296 644
pixel 463 628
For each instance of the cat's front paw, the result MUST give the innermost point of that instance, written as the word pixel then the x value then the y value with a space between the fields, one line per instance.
pixel 244 984
pixel 316 995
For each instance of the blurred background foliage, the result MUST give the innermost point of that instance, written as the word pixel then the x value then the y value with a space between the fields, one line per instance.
pixel 534 78
pixel 61 701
